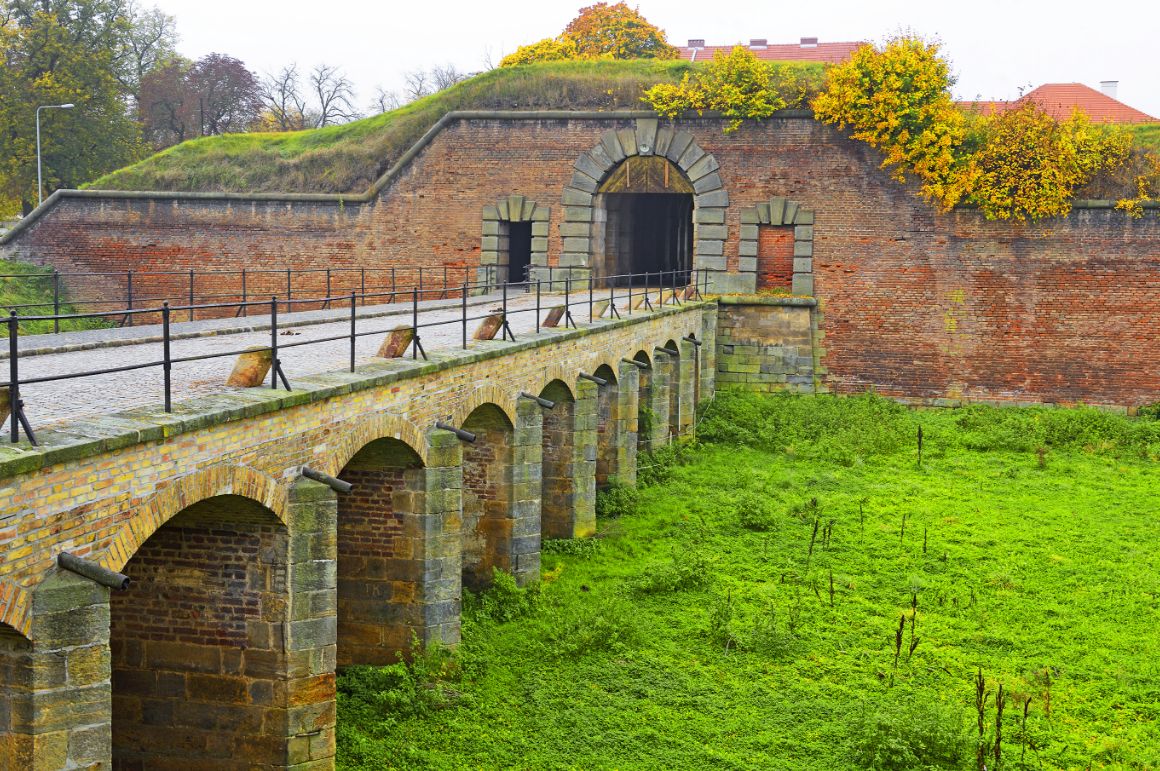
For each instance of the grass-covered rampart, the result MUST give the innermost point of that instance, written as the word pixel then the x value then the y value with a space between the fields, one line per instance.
pixel 799 592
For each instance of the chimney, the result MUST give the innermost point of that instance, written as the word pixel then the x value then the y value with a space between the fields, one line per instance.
pixel 809 42
pixel 696 43
pixel 1108 87
pixel 758 42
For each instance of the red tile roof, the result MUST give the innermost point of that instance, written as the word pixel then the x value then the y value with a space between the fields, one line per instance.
pixel 1059 100
pixel 833 53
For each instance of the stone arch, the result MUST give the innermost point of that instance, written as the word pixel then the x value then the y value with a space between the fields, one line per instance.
pixel 211 482
pixel 778 212
pixel 484 394
pixel 488 492
pixel 675 365
pixel 202 630
pixel 645 137
pixel 357 434
pixel 383 537
pixel 497 221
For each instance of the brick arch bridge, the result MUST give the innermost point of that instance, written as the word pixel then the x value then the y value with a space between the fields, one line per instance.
pixel 252 584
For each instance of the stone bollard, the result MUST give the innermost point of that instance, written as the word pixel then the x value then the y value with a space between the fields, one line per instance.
pixel 251 368
pixel 598 308
pixel 553 317
pixel 397 342
pixel 489 327
pixel 5 404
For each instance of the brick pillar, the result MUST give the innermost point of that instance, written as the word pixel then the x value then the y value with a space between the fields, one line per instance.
pixel 58 698
pixel 311 629
pixel 628 398
pixel 442 541
pixel 526 483
pixel 584 462
pixel 690 363
pixel 659 398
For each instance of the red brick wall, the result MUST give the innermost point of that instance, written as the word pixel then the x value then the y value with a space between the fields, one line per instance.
pixel 914 303
pixel 775 257
pixel 487 496
pixel 196 640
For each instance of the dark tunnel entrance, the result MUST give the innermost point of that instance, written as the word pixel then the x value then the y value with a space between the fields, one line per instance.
pixel 649 233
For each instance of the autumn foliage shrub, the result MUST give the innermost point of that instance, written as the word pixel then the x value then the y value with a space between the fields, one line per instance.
pixel 1019 164
pixel 738 85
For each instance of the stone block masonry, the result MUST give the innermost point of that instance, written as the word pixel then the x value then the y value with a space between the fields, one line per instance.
pixel 251 583
pixel 766 343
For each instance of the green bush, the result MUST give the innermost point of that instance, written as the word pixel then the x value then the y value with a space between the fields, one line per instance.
pixel 753 511
pixel 600 624
pixel 905 733
pixel 616 500
pixel 504 600
pixel 690 568
pixel 571 547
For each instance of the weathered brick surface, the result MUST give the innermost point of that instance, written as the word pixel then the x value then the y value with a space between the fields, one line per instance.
pixel 915 303
pixel 775 257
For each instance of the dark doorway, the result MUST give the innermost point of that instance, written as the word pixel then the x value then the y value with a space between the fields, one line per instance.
pixel 519 251
pixel 649 233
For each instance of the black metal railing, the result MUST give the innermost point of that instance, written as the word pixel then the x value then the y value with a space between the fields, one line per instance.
pixel 645 291
pixel 205 291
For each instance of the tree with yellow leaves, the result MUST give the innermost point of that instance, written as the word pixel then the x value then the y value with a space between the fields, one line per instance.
pixel 600 31
pixel 737 85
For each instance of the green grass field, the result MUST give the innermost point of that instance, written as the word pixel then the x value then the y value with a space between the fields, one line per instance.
pixel 28 291
pixel 1146 135
pixel 745 611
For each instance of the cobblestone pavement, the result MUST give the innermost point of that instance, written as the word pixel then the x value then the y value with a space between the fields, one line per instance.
pixel 51 403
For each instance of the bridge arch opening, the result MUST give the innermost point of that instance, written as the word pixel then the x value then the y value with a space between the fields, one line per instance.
pixel 15 675
pixel 381 548
pixel 644 409
pixel 197 641
pixel 609 427
pixel 643 213
pixel 558 477
pixel 674 378
pixel 488 500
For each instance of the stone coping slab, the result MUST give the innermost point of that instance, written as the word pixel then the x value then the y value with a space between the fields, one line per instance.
pixel 766 299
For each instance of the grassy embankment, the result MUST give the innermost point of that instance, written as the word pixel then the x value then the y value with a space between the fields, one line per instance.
pixel 30 294
pixel 745 611
pixel 348 158
pixel 1147 135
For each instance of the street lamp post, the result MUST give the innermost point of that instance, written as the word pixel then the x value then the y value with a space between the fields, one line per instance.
pixel 39 175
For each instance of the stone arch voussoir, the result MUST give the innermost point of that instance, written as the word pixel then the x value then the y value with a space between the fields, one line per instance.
pixel 357 434
pixel 210 482
pixel 646 137
pixel 485 394
pixel 777 212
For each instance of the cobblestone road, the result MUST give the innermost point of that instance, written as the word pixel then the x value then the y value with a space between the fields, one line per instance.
pixel 51 403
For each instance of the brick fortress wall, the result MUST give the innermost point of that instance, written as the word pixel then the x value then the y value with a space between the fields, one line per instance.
pixel 912 303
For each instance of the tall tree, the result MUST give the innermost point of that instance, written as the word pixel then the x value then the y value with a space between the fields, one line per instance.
pixel 54 52
pixel 334 93
pixel 151 42
pixel 282 97
pixel 228 96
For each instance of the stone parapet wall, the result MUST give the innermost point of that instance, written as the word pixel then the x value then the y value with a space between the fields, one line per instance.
pixel 767 343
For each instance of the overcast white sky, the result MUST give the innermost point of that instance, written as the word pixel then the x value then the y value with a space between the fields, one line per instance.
pixel 996 46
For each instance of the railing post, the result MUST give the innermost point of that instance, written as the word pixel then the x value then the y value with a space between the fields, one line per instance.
pixel 129 296
pixel 274 342
pixel 444 295
pixel 167 360
pixel 464 313
pixel 591 289
pixel 14 375
pixel 289 294
pixel 245 296
pixel 420 282
pixel 56 300
pixel 393 285
pixel 327 303
pixel 629 294
pixel 191 295
pixel 353 317
pixel 537 307
pixel 363 284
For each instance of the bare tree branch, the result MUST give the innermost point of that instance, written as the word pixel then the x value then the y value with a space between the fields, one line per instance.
pixel 384 100
pixel 446 76
pixel 417 84
pixel 282 97
pixel 334 92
